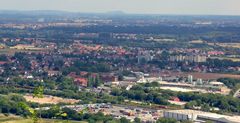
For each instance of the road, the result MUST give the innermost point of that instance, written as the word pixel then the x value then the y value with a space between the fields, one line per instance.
pixel 237 93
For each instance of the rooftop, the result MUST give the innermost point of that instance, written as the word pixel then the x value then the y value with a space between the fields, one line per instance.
pixel 208 115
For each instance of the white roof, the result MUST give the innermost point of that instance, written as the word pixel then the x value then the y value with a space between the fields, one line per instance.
pixel 208 115
pixel 216 83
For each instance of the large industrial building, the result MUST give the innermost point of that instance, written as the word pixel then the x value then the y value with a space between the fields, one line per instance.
pixel 200 116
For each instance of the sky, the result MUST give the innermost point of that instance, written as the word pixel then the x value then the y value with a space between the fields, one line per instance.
pixel 182 7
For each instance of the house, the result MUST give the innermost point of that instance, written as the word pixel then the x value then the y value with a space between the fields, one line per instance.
pixel 72 74
pixel 3 62
pixel 175 99
pixel 53 73
pixel 83 73
pixel 81 81
pixel 108 78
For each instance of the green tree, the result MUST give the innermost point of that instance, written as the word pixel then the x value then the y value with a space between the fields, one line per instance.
pixel 137 120
pixel 166 120
pixel 124 120
pixel 38 92
pixel 191 104
pixel 205 107
pixel 32 112
pixel 94 81
pixel 17 98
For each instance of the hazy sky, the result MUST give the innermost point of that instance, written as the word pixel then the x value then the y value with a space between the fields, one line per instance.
pixel 219 7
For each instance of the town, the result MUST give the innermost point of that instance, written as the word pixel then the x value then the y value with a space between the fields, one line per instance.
pixel 124 69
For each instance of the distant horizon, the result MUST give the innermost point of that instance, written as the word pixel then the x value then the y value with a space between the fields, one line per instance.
pixel 166 7
pixel 113 12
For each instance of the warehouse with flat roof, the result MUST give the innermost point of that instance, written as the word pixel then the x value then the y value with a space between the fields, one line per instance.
pixel 200 116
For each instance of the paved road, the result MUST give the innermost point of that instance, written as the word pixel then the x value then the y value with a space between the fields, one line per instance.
pixel 237 93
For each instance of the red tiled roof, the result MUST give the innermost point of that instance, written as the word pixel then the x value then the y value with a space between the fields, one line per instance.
pixel 81 81
pixel 2 62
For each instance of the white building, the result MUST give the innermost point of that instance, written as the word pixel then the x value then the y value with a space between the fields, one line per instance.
pixel 199 81
pixel 190 78
pixel 149 79
pixel 190 58
pixel 200 116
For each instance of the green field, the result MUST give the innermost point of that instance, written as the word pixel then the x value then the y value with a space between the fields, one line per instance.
pixel 16 119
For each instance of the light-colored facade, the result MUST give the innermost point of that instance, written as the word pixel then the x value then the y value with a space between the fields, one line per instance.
pixel 189 58
pixel 200 116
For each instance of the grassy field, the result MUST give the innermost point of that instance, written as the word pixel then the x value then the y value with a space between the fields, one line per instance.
pixel 231 45
pixel 16 119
